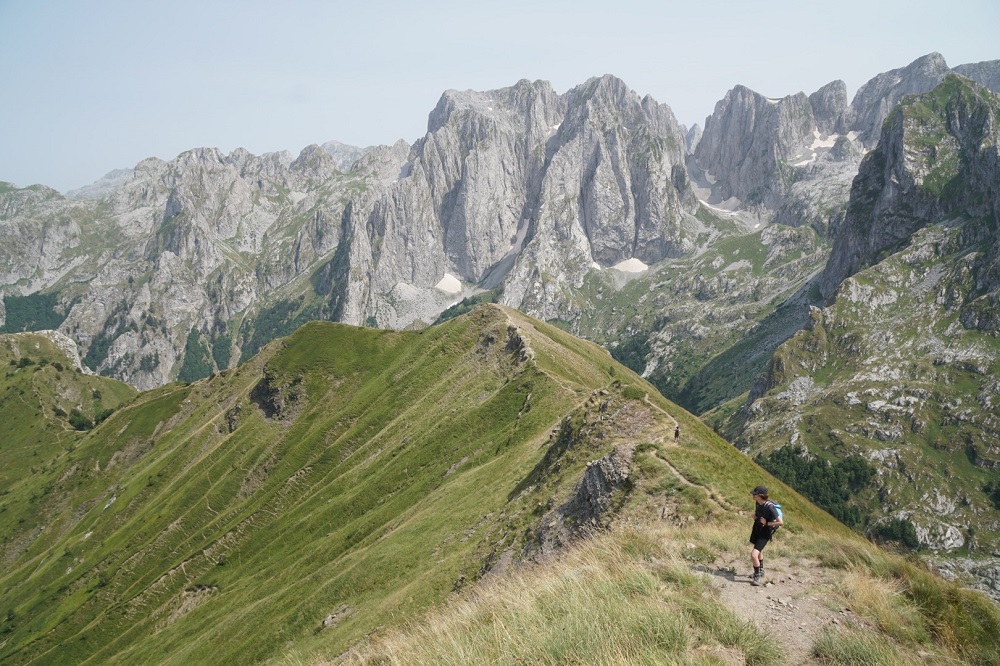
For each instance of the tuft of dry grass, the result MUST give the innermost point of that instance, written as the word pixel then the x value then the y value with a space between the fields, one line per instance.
pixel 883 602
pixel 618 599
pixel 856 647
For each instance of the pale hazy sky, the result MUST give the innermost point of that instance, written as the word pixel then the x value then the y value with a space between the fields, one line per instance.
pixel 92 85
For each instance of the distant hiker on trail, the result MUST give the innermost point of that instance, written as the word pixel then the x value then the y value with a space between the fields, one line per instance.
pixel 767 519
pixel 677 434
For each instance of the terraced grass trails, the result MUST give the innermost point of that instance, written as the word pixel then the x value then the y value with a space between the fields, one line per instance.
pixel 345 472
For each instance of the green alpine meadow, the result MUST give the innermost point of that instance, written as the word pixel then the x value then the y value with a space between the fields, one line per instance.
pixel 487 490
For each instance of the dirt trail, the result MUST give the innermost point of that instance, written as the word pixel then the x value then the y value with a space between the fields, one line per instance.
pixel 797 601
pixel 795 604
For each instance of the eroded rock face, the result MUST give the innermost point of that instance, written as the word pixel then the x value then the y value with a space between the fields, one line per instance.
pixel 180 245
pixel 750 138
pixel 897 367
pixel 828 104
pixel 519 188
pixel 525 188
pixel 987 73
pixel 937 158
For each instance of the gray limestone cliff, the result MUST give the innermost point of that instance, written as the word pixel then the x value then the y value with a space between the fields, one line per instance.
pixel 193 244
pixel 878 97
pixel 750 141
pixel 986 73
pixel 828 104
pixel 692 138
pixel 520 187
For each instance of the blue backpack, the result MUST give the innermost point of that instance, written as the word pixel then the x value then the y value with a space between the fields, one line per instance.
pixel 777 507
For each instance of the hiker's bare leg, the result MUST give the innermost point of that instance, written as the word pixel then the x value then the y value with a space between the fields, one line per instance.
pixel 755 558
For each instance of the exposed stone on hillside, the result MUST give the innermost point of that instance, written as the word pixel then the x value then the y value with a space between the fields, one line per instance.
pixel 749 139
pixel 611 187
pixel 898 368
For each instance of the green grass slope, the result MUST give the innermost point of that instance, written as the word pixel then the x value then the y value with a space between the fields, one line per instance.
pixel 46 405
pixel 653 593
pixel 345 473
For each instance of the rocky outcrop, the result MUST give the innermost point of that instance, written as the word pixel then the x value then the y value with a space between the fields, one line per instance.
pixel 763 151
pixel 612 187
pixel 99 189
pixel 828 104
pixel 692 138
pixel 938 158
pixel 181 245
pixel 511 184
pixel 345 156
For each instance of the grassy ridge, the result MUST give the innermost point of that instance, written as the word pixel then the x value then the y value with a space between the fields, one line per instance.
pixel 345 469
pixel 631 596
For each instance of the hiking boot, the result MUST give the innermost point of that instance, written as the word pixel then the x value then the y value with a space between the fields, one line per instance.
pixel 756 579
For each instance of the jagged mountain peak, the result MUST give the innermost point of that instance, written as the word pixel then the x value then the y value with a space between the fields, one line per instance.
pixel 828 104
pixel 745 122
pixel 610 102
pixel 607 87
pixel 519 98
pixel 876 98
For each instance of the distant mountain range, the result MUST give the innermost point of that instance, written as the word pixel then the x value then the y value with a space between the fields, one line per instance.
pixel 750 271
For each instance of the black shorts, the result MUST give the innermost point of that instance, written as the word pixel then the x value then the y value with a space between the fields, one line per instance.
pixel 760 536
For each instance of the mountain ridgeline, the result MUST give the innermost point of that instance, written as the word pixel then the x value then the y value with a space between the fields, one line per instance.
pixel 341 477
pixel 198 262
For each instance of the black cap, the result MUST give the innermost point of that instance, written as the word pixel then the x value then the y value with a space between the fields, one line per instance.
pixel 759 490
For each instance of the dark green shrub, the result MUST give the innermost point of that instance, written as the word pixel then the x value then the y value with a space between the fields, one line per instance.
pixel 79 421
pixel 197 365
pixel 899 530
pixel 35 312
pixel 992 490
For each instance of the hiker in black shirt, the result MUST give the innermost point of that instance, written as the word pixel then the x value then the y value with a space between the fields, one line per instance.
pixel 766 520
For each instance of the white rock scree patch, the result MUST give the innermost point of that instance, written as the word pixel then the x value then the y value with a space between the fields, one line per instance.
pixel 450 284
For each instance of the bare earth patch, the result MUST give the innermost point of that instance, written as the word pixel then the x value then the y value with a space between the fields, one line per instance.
pixel 795 604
